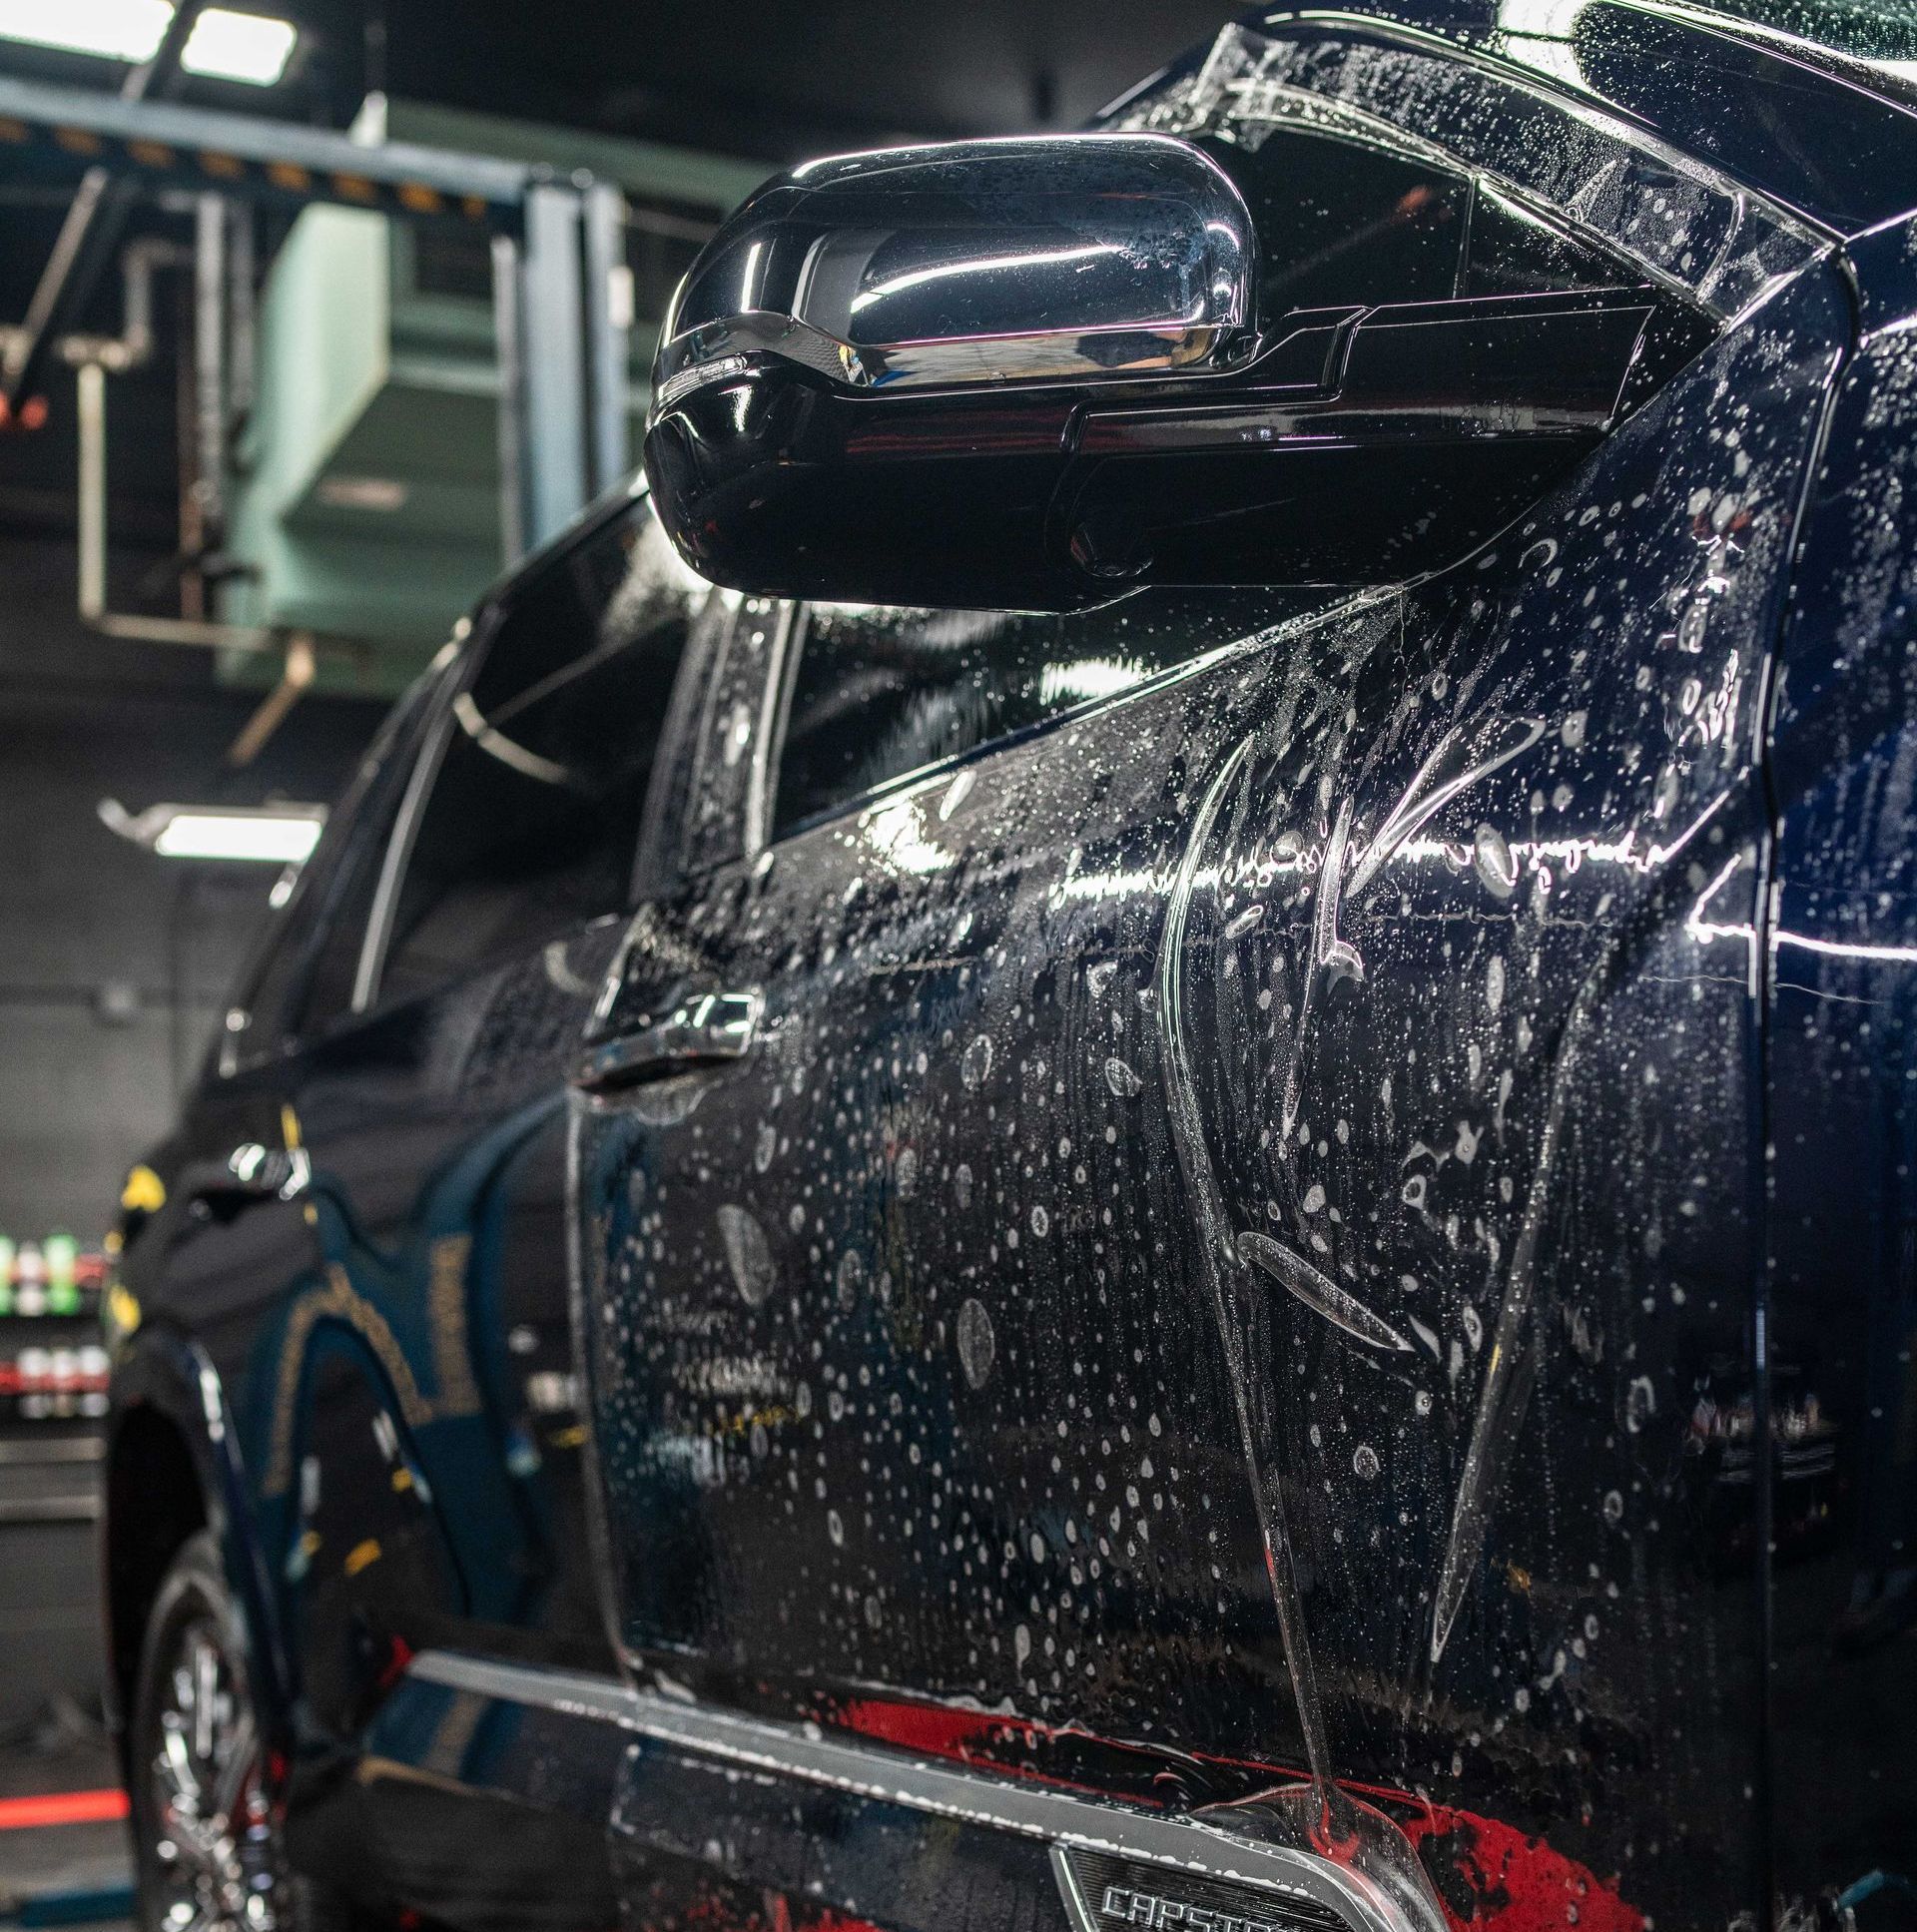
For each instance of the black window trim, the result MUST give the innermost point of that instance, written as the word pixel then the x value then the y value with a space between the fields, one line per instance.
pixel 395 853
pixel 239 1051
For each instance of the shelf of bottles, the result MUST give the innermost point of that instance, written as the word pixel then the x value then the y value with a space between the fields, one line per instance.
pixel 53 1365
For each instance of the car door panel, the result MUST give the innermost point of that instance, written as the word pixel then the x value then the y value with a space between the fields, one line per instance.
pixel 1240 1201
pixel 458 1279
pixel 411 1403
pixel 1470 1014
pixel 1834 1439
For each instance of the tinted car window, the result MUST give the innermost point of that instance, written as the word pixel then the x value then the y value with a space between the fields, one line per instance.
pixel 328 987
pixel 320 912
pixel 269 1014
pixel 880 693
pixel 532 822
pixel 1343 221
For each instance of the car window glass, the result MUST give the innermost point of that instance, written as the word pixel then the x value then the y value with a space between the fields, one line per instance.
pixel 319 917
pixel 1343 221
pixel 260 1023
pixel 532 822
pixel 327 991
pixel 880 693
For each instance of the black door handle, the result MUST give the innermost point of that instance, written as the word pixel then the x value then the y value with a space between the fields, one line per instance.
pixel 711 1027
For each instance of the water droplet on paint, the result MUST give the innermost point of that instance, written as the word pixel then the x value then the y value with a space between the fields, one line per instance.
pixel 1640 1404
pixel 748 1254
pixel 1490 853
pixel 976 1342
pixel 1123 1080
pixel 956 794
pixel 850 1277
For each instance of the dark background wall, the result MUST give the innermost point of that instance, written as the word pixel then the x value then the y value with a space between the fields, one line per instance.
pixel 114 964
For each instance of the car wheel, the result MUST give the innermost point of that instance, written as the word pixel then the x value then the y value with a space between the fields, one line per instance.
pixel 205 1840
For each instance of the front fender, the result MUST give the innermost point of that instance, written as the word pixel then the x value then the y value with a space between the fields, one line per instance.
pixel 160 1372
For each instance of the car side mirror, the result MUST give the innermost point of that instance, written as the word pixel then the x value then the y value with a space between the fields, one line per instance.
pixel 1033 373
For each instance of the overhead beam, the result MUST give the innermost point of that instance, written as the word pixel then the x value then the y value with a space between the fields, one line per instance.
pixel 156 145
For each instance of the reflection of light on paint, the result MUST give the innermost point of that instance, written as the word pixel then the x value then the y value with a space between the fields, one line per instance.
pixel 1849 949
pixel 1572 850
pixel 1703 931
pixel 896 833
pixel 213 1410
pixel 1087 677
pixel 1545 29
pixel 980 265
pixel 749 278
pixel 1116 885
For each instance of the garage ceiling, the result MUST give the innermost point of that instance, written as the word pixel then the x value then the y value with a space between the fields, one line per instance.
pixel 774 78
pixel 763 79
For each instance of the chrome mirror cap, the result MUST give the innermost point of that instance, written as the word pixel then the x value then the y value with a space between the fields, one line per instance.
pixel 1064 257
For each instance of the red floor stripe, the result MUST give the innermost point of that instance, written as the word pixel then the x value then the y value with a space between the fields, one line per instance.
pixel 62 1807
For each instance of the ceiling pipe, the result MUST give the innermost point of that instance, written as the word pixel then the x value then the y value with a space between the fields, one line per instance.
pixel 89 233
pixel 134 346
pixel 296 679
pixel 90 383
pixel 203 516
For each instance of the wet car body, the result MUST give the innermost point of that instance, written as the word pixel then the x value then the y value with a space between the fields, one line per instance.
pixel 1274 1257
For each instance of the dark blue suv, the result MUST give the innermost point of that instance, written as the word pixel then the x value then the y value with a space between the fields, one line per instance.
pixel 1115 1127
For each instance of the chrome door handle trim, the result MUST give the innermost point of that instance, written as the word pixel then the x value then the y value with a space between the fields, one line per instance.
pixel 252 1172
pixel 711 1027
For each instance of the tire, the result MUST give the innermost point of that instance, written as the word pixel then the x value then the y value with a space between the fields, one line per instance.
pixel 206 1839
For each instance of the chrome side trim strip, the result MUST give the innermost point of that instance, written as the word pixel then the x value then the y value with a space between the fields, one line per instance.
pixel 1077 1906
pixel 573 1693
pixel 802 1753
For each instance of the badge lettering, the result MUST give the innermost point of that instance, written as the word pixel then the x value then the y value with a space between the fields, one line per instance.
pixel 1157 1913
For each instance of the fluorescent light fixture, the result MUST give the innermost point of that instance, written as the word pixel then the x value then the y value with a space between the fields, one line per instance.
pixel 250 47
pixel 277 840
pixel 113 29
pixel 278 834
pixel 224 44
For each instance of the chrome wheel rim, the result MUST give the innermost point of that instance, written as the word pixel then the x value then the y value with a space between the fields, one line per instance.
pixel 212 1855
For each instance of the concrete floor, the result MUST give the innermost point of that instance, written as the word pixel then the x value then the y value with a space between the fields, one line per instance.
pixel 52 1739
